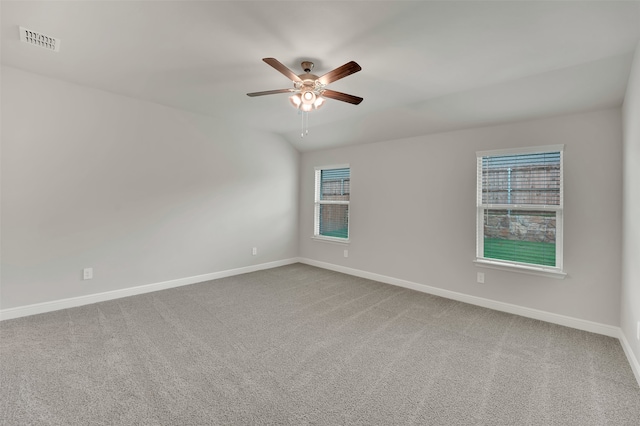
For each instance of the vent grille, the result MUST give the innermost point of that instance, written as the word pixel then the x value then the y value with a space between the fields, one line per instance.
pixel 38 39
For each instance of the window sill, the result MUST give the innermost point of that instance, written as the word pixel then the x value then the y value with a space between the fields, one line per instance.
pixel 531 270
pixel 332 240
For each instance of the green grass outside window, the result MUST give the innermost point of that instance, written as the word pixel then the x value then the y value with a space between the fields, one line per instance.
pixel 536 253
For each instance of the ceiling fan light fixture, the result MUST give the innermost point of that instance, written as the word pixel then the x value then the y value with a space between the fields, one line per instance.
pixel 306 101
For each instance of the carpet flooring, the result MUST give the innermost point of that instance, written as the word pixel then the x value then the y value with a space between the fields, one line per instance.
pixel 299 345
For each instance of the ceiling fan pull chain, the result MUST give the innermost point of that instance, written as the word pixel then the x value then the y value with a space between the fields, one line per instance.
pixel 305 126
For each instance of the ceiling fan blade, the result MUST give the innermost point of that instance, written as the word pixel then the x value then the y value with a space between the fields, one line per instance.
pixel 340 72
pixel 270 92
pixel 339 96
pixel 282 68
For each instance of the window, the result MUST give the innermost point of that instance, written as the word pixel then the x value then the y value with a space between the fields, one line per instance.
pixel 519 208
pixel 333 189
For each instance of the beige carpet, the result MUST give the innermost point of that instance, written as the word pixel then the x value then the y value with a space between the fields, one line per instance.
pixel 300 345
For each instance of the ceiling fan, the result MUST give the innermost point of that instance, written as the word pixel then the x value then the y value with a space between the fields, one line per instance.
pixel 309 90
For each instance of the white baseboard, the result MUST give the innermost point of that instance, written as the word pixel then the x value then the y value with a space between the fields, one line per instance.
pixel 635 365
pixel 594 327
pixel 39 308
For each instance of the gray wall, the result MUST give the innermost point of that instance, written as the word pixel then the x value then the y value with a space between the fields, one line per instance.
pixel 138 191
pixel 413 213
pixel 630 300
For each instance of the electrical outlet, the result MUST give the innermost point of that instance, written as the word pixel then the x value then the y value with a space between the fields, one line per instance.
pixel 254 251
pixel 346 253
pixel 481 277
pixel 87 273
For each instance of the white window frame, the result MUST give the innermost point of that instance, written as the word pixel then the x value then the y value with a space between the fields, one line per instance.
pixel 554 272
pixel 318 202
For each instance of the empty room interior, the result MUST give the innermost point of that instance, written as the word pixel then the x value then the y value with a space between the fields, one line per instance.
pixel 320 212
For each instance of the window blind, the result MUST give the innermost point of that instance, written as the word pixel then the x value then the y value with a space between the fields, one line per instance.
pixel 527 179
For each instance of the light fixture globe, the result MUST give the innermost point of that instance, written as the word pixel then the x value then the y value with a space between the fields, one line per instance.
pixel 296 100
pixel 308 97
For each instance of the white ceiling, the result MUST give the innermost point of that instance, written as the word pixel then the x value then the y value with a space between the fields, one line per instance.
pixel 426 66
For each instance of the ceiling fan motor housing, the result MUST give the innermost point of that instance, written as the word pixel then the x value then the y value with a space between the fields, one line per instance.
pixel 307 66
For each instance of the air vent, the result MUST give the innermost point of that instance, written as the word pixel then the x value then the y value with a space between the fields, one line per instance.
pixel 39 39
